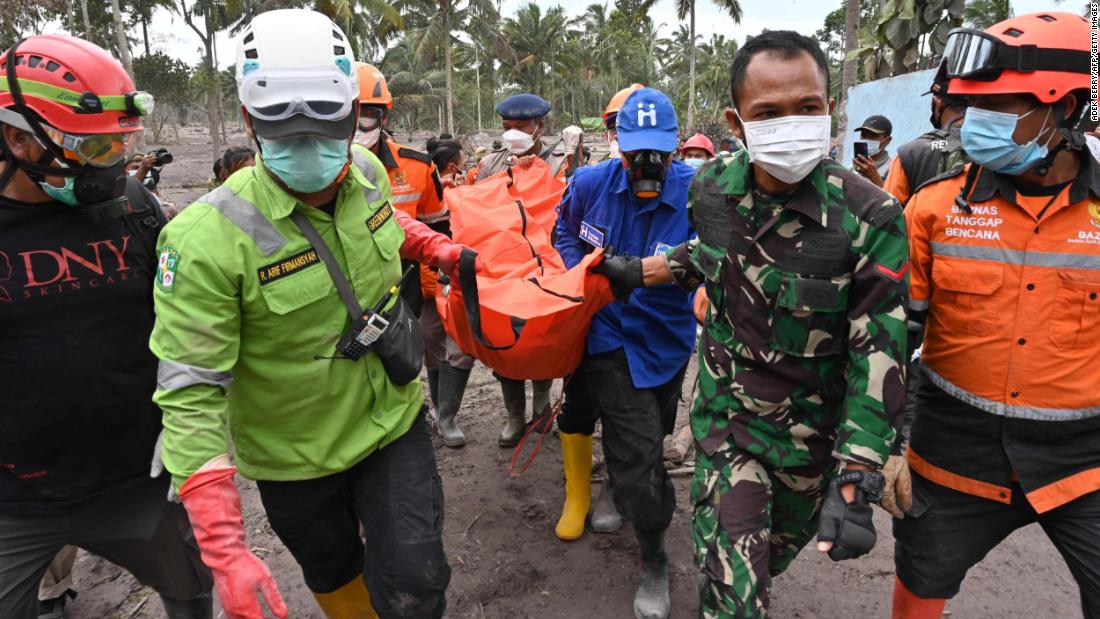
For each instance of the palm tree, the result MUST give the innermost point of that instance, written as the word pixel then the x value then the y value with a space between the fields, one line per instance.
pixel 435 24
pixel 851 42
pixel 982 14
pixel 685 9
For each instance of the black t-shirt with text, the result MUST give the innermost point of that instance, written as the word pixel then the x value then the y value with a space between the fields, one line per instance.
pixel 76 373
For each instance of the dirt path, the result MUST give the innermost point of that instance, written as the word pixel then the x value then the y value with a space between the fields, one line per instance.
pixel 507 564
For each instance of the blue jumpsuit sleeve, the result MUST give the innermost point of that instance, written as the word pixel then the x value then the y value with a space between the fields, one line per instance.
pixel 570 213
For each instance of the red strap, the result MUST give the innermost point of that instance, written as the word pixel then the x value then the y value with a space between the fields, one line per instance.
pixel 547 422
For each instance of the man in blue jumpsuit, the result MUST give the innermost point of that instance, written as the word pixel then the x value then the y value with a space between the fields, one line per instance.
pixel 637 348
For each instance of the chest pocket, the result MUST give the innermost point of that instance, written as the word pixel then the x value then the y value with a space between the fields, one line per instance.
pixel 964 295
pixel 810 318
pixel 387 233
pixel 1075 322
pixel 298 290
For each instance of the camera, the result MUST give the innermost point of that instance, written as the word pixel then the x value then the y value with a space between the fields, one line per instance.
pixel 163 156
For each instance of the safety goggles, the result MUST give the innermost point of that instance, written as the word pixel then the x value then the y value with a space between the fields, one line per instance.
pixel 975 55
pixel 101 150
pixel 370 117
pixel 324 93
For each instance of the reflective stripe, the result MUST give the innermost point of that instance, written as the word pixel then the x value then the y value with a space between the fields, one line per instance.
pixel 436 217
pixel 1016 256
pixel 407 197
pixel 247 217
pixel 917 305
pixel 365 166
pixel 1005 410
pixel 174 375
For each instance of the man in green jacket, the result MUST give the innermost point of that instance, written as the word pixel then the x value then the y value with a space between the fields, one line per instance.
pixel 249 320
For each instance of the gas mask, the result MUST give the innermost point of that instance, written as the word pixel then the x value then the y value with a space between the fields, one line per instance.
pixel 647 170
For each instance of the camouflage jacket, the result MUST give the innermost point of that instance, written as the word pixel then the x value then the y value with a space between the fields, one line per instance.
pixel 802 357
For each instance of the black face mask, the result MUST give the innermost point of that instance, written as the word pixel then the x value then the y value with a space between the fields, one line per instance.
pixel 92 186
pixel 647 170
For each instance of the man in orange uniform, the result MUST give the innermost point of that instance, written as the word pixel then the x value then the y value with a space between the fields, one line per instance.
pixel 1006 277
pixel 418 191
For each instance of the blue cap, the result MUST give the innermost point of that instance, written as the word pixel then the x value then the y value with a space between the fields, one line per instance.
pixel 647 121
pixel 524 106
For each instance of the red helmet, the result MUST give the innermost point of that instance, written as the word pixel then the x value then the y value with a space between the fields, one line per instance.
pixel 74 86
pixel 1043 54
pixel 698 141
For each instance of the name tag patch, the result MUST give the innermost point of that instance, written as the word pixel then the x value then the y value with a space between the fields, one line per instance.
pixel 380 217
pixel 591 234
pixel 287 266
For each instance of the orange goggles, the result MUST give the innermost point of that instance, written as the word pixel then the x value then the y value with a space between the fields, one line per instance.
pixel 101 150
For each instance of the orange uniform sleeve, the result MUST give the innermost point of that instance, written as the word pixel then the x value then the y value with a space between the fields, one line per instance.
pixel 897 182
pixel 919 219
pixel 431 209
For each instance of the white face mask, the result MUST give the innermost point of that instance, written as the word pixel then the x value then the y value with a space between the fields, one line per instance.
pixel 518 142
pixel 788 148
pixel 369 138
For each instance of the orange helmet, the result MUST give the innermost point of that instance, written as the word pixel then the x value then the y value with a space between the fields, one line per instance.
pixel 372 86
pixel 617 102
pixel 1043 54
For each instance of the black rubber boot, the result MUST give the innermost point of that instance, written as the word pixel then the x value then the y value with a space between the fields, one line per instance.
pixel 651 600
pixel 515 406
pixel 201 607
pixel 452 386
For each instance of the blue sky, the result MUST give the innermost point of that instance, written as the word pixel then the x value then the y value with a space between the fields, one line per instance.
pixel 170 34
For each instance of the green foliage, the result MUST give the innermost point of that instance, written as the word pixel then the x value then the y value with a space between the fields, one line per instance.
pixel 169 81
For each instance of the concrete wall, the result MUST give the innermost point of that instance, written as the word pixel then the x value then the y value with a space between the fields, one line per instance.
pixel 897 98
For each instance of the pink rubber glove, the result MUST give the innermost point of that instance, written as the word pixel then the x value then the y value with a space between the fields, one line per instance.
pixel 214 507
pixel 427 246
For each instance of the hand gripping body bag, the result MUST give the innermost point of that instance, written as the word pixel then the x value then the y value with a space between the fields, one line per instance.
pixel 525 315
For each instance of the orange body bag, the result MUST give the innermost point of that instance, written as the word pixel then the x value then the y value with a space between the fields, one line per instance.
pixel 524 315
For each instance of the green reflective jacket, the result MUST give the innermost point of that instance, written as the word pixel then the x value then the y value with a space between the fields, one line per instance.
pixel 247 322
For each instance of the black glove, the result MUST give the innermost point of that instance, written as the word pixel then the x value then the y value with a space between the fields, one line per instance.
pixel 848 525
pixel 624 273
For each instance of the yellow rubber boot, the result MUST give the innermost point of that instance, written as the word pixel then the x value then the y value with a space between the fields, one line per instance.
pixel 352 601
pixel 576 459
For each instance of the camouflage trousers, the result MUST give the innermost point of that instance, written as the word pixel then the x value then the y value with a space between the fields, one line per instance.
pixel 750 522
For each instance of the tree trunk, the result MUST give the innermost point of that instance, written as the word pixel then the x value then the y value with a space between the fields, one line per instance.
pixel 851 42
pixel 145 35
pixel 449 66
pixel 87 22
pixel 477 78
pixel 120 36
pixel 691 78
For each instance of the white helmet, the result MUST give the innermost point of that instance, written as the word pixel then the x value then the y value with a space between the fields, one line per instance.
pixel 296 75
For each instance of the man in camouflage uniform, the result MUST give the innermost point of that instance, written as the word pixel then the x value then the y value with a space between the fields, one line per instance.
pixel 802 352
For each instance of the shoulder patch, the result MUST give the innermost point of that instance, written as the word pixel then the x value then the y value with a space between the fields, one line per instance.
pixel 409 153
pixel 952 173
pixel 167 264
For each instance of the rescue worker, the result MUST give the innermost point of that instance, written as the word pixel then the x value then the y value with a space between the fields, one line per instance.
pixel 523 117
pixel 802 355
pixel 696 150
pixel 77 239
pixel 1006 278
pixel 418 191
pixel 637 351
pixel 610 117
pixel 256 291
pixel 934 152
pixel 577 404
